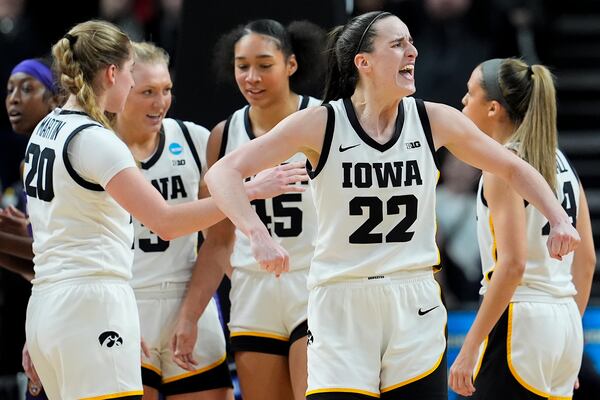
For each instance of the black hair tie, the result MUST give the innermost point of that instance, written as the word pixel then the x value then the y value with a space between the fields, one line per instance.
pixel 72 40
pixel 530 71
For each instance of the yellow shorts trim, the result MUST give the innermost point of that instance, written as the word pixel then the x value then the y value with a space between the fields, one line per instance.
pixel 560 398
pixel 261 334
pixel 197 372
pixel 343 390
pixel 416 378
pixel 480 361
pixel 509 357
pixel 115 395
pixel 152 368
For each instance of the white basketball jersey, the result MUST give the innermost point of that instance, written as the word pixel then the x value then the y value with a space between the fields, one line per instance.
pixel 290 217
pixel 375 202
pixel 543 275
pixel 175 170
pixel 78 229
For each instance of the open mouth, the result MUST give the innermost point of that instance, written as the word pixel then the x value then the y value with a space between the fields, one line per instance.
pixel 407 71
pixel 154 117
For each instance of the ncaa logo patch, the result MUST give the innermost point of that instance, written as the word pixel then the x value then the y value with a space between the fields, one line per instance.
pixel 175 148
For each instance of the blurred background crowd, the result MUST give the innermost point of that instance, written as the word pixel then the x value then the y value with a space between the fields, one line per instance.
pixel 452 37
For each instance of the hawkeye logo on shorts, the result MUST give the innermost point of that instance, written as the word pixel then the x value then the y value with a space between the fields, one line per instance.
pixel 175 148
pixel 110 339
pixel 310 338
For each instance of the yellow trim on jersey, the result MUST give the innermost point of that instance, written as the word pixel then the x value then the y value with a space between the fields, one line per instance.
pixel 152 368
pixel 560 398
pixel 509 357
pixel 260 334
pixel 196 372
pixel 343 390
pixel 115 395
pixel 480 361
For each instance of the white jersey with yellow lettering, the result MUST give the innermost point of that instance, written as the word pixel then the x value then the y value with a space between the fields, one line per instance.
pixel 544 277
pixel 290 217
pixel 375 202
pixel 175 170
pixel 78 228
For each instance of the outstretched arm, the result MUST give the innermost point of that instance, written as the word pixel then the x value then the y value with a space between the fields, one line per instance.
pixel 459 134
pixel 302 132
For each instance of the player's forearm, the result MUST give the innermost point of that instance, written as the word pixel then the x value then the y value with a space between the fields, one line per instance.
pixel 530 185
pixel 582 279
pixel 500 290
pixel 226 188
pixel 206 277
pixel 184 219
pixel 17 265
pixel 18 246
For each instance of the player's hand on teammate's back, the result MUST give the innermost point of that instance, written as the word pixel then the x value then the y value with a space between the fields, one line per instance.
pixel 182 343
pixel 562 240
pixel 269 254
pixel 278 180
pixel 461 373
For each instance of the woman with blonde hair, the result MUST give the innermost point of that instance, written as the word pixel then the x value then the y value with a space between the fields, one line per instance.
pixel 83 189
pixel 529 322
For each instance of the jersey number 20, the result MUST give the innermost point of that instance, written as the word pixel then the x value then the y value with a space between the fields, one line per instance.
pixel 41 163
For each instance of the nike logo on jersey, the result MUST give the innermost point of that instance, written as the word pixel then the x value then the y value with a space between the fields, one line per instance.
pixel 421 312
pixel 343 149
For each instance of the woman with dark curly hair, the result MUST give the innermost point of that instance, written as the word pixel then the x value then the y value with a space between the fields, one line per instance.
pixel 270 63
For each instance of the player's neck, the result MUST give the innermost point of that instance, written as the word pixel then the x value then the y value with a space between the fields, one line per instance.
pixel 376 114
pixel 142 144
pixel 265 119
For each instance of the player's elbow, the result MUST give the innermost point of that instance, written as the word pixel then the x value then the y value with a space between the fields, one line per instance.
pixel 162 227
pixel 515 268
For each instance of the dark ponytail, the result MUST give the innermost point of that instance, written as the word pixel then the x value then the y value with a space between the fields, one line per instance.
pixel 344 43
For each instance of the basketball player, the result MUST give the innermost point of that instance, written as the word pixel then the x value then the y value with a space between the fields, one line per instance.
pixel 268 314
pixel 371 153
pixel 172 158
pixel 30 95
pixel 529 323
pixel 82 182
